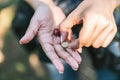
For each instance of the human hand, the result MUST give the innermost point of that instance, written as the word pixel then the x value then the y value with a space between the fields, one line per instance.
pixel 99 26
pixel 42 24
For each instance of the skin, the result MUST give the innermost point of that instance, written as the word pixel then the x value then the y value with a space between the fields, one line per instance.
pixel 97 19
pixel 99 26
pixel 44 20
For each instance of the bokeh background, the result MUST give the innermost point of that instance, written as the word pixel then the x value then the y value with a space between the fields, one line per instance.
pixel 21 62
pixel 16 63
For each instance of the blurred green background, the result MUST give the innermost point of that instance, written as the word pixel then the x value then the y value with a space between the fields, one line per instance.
pixel 15 62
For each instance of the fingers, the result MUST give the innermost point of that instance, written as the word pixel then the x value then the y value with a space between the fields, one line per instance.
pixel 96 31
pixel 67 57
pixel 31 31
pixel 74 54
pixel 87 30
pixel 109 37
pixel 67 24
pixel 45 41
pixel 79 50
pixel 102 27
pixel 102 36
pixel 50 52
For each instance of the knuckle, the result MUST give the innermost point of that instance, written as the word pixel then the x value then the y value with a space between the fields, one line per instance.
pixel 112 27
pixel 66 57
pixel 104 22
pixel 84 41
pixel 88 45
pixel 95 45
pixel 90 15
pixel 34 32
pixel 64 25
pixel 115 29
pixel 54 59
pixel 104 46
pixel 86 15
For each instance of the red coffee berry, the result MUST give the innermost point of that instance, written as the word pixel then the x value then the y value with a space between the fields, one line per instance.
pixel 56 32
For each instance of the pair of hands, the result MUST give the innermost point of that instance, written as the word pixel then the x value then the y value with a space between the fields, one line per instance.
pixel 98 29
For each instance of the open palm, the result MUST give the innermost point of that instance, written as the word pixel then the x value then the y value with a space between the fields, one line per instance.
pixel 42 24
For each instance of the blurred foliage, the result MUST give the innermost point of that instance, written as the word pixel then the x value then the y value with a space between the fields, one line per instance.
pixel 6 3
pixel 6 16
pixel 15 64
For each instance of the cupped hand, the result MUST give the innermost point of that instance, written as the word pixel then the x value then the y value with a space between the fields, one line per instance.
pixel 42 24
pixel 99 26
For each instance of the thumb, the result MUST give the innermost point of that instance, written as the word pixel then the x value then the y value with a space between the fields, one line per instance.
pixel 31 31
pixel 67 24
pixel 74 44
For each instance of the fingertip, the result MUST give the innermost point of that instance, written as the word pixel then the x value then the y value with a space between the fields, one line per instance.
pixel 79 50
pixel 104 45
pixel 24 40
pixel 74 54
pixel 20 42
pixel 61 69
pixel 79 59
pixel 75 67
pixel 59 66
pixel 96 45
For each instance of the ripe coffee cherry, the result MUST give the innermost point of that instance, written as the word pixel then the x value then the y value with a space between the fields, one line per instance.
pixel 56 32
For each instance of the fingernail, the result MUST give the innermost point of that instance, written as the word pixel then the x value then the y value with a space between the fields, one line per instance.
pixel 59 66
pixel 64 36
pixel 75 69
pixel 79 50
pixel 20 42
pixel 61 72
pixel 61 39
pixel 74 66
